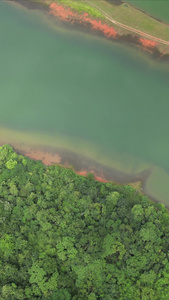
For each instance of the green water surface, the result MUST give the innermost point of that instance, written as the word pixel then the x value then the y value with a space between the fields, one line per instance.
pixel 64 88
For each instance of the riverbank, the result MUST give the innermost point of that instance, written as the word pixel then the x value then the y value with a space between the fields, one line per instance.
pixel 94 18
pixel 21 11
pixel 83 166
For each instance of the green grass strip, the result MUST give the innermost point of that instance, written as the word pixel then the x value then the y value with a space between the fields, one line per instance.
pixel 81 7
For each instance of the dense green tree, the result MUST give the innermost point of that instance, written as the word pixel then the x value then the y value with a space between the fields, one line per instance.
pixel 63 236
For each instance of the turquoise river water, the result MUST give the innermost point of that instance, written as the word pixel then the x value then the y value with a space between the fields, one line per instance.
pixel 68 89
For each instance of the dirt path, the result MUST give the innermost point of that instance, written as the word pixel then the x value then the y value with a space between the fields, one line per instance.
pixel 146 35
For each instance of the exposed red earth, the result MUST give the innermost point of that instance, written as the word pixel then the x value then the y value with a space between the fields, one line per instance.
pixel 48 158
pixel 68 15
pixel 61 12
pixel 148 43
pixel 98 178
pixel 82 173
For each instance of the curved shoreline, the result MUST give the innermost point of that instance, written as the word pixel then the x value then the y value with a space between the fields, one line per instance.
pixel 98 27
pixel 83 166
pixel 140 39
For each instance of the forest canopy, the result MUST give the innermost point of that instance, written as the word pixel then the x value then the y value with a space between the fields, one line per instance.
pixel 63 236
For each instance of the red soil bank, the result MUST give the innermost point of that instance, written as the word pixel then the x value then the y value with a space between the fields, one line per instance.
pixel 68 15
pixel 49 159
pixel 148 43
pixel 98 178
pixel 82 173
pixel 61 12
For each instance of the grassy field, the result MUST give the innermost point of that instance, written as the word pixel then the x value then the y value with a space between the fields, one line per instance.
pixel 82 6
pixel 130 16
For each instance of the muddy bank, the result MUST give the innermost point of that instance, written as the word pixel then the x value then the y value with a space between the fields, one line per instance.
pixel 79 163
pixel 83 166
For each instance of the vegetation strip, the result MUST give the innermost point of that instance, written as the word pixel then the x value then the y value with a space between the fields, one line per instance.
pixel 82 7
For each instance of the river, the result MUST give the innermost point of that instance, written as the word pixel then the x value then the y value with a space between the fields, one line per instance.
pixel 67 89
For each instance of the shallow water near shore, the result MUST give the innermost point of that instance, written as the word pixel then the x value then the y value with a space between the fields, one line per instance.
pixel 67 89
